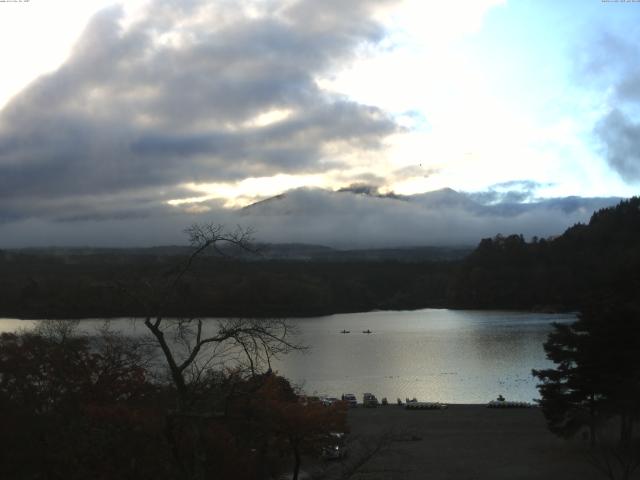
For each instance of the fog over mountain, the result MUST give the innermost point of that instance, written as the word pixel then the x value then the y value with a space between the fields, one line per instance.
pixel 442 217
pixel 352 218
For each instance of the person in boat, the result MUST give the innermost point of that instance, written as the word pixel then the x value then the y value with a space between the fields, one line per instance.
pixel 500 398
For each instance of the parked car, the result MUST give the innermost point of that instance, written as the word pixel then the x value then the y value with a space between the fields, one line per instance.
pixel 328 401
pixel 351 399
pixel 369 400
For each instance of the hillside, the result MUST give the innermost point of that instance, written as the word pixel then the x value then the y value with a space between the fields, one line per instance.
pixel 286 280
pixel 587 262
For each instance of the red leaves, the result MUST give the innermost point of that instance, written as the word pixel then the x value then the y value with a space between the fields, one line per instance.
pixel 44 375
pixel 278 407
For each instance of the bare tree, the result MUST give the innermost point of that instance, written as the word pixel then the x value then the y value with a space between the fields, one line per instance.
pixel 57 330
pixel 191 347
pixel 188 345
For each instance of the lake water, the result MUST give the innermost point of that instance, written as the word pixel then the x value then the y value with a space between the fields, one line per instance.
pixel 454 356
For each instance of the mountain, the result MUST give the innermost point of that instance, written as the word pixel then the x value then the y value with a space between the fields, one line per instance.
pixel 361 217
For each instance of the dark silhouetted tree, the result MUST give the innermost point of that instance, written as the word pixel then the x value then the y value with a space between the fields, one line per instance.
pixel 596 382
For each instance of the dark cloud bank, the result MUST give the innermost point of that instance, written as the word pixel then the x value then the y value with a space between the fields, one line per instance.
pixel 91 153
pixel 339 219
pixel 169 100
pixel 614 63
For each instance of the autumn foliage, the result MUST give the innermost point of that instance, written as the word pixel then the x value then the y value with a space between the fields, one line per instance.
pixel 78 407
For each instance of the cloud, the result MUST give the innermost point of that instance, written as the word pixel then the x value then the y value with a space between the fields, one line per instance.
pixel 343 219
pixel 414 171
pixel 614 64
pixel 443 217
pixel 140 108
pixel 614 60
pixel 621 138
pixel 514 191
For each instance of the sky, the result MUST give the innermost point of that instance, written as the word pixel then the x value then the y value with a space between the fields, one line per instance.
pixel 123 122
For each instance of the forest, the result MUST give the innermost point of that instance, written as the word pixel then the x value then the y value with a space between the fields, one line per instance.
pixel 505 272
pixel 42 285
pixel 599 260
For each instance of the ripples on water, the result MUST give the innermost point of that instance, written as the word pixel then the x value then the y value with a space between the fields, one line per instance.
pixel 437 355
pixel 453 356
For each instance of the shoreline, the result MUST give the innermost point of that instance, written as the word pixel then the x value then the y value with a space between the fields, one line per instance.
pixel 290 316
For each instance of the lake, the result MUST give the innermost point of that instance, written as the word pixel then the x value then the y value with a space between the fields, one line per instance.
pixel 453 356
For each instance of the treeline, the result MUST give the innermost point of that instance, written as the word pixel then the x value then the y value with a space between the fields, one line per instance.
pixel 600 259
pixel 113 285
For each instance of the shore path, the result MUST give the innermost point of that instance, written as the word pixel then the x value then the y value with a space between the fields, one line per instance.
pixel 463 442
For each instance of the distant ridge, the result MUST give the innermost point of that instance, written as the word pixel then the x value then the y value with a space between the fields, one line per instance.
pixel 442 198
pixel 262 203
pixel 272 251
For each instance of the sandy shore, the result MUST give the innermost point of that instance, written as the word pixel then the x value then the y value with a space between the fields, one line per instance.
pixel 461 442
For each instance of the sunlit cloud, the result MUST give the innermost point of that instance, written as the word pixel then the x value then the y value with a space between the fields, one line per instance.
pixel 268 118
pixel 247 191
pixel 170 108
